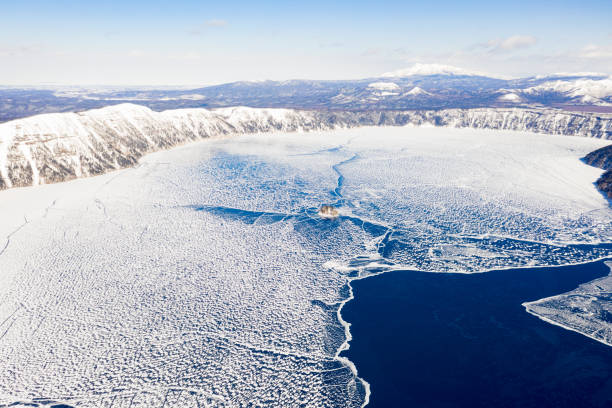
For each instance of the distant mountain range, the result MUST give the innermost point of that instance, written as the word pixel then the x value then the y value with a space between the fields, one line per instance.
pixel 51 148
pixel 422 87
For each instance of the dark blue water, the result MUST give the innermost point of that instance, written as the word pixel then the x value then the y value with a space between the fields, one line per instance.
pixel 442 340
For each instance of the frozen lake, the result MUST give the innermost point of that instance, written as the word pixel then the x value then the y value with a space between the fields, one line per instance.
pixel 205 276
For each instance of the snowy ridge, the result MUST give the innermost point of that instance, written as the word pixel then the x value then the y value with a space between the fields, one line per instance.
pixel 64 146
pixel 57 147
pixel 587 91
pixel 433 69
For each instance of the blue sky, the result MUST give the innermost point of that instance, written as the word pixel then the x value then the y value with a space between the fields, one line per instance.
pixel 197 42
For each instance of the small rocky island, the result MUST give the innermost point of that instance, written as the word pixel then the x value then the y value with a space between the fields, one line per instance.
pixel 328 211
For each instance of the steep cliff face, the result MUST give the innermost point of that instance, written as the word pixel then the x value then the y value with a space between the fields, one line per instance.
pixel 602 158
pixel 539 121
pixel 57 147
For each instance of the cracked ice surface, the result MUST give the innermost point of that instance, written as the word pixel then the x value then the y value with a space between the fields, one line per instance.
pixel 204 277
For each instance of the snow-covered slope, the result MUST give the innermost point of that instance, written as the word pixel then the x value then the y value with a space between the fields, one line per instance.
pixel 56 147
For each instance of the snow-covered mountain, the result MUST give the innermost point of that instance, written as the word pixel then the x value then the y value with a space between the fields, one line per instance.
pixel 583 90
pixel 432 69
pixel 56 147
pixel 416 91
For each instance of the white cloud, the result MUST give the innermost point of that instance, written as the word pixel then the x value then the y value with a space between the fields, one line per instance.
pixel 331 44
pixel 372 52
pixel 137 53
pixel 208 24
pixel 511 43
pixel 188 56
pixel 215 23
pixel 596 51
pixel 20 50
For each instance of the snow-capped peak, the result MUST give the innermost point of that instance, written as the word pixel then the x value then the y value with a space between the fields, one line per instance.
pixel 417 91
pixel 432 69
